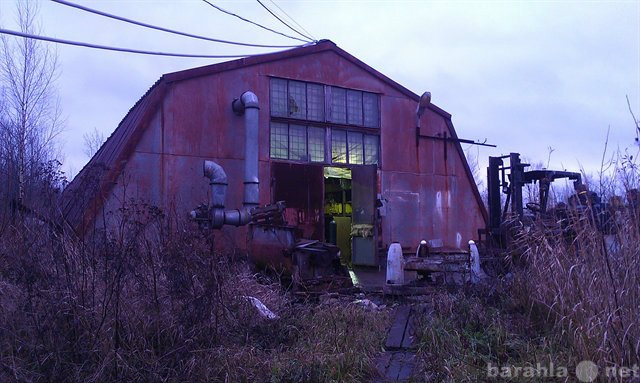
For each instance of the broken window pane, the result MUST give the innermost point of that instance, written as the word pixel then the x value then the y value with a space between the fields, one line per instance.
pixel 316 144
pixel 315 102
pixel 371 110
pixel 354 107
pixel 297 100
pixel 355 148
pixel 297 142
pixel 339 146
pixel 279 138
pixel 278 97
pixel 371 149
pixel 338 105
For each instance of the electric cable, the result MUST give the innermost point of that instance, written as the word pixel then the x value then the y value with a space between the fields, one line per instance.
pixel 67 3
pixel 254 23
pixel 127 50
pixel 292 19
pixel 283 22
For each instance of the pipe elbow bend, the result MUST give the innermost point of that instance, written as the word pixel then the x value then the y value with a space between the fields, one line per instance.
pixel 214 172
pixel 249 100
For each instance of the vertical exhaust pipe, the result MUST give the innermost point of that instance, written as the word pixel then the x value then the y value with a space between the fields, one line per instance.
pixel 247 104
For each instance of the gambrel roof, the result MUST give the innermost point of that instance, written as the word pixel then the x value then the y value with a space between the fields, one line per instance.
pixel 84 195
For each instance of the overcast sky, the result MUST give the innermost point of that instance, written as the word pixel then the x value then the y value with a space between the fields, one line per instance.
pixel 524 75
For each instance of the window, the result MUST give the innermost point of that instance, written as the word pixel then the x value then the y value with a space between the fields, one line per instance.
pixel 371 144
pixel 338 146
pixel 307 144
pixel 370 110
pixel 279 141
pixel 278 97
pixel 306 101
pixel 354 107
pixel 297 100
pixel 356 148
pixel 338 105
pixel 298 143
pixel 316 144
pixel 315 102
pixel 297 106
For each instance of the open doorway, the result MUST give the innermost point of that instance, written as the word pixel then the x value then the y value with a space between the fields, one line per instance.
pixel 349 213
pixel 334 204
pixel 338 209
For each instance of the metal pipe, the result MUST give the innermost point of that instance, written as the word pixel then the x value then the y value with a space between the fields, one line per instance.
pixel 247 104
pixel 217 181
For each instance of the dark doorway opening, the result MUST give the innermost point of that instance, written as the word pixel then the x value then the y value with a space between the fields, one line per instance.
pixel 331 204
pixel 302 188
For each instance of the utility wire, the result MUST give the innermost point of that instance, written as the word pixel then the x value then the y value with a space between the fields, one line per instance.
pixel 63 2
pixel 283 22
pixel 88 45
pixel 252 22
pixel 292 19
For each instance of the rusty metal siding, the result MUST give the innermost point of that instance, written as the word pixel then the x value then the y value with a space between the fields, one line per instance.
pixel 187 118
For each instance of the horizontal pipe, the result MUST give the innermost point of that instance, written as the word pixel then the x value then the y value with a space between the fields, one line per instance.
pixel 451 139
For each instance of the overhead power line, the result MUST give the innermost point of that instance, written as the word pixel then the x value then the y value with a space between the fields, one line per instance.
pixel 83 8
pixel 283 22
pixel 292 19
pixel 254 23
pixel 127 50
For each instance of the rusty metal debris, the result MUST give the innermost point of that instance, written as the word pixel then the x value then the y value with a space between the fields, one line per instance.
pixel 312 265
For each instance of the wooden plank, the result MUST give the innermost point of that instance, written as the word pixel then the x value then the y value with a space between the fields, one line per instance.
pixel 395 365
pixel 382 364
pixel 407 339
pixel 407 366
pixel 397 330
pixel 400 366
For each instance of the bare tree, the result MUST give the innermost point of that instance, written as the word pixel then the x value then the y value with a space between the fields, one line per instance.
pixel 93 140
pixel 30 112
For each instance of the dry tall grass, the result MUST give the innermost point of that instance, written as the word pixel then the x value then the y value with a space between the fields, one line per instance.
pixel 148 303
pixel 586 283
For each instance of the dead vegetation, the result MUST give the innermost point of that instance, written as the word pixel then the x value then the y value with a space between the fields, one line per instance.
pixel 572 296
pixel 587 287
pixel 145 303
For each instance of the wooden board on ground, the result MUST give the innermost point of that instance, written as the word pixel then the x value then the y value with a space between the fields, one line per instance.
pixel 398 329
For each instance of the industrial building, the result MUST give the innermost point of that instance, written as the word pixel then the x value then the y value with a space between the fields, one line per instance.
pixel 357 158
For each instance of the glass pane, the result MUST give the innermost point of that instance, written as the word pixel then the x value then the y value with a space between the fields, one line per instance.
pixel 316 144
pixel 370 149
pixel 338 105
pixel 354 107
pixel 298 143
pixel 279 139
pixel 371 110
pixel 278 97
pixel 297 100
pixel 355 148
pixel 339 146
pixel 315 102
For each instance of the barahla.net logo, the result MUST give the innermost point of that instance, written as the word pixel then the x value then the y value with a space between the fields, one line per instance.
pixel 585 371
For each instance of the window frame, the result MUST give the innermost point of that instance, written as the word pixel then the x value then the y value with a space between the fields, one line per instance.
pixel 327 123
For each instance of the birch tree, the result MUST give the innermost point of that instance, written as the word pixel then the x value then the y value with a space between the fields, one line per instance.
pixel 29 111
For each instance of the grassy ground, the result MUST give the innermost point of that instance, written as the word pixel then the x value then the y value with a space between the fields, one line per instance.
pixel 153 305
pixel 470 332
pixel 150 304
